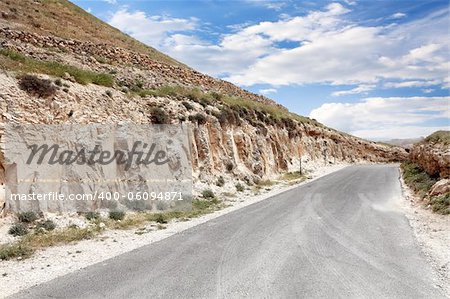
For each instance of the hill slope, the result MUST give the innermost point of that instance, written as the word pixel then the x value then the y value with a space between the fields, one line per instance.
pixel 65 20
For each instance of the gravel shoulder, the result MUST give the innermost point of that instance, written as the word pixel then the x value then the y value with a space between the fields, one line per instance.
pixel 57 261
pixel 432 232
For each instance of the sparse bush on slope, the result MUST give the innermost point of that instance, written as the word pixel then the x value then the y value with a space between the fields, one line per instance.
pixel 417 179
pixel 21 63
pixel 35 86
pixel 420 182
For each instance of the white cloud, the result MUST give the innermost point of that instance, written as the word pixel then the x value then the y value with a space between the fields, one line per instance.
pixel 398 15
pixel 152 30
pixel 399 132
pixel 411 84
pixel 334 50
pixel 385 118
pixel 272 5
pixel 234 52
pixel 364 88
pixel 111 1
pixel 240 51
pixel 330 48
pixel 267 91
pixel 349 2
pixel 427 90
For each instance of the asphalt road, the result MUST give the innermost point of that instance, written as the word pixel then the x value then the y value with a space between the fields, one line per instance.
pixel 341 236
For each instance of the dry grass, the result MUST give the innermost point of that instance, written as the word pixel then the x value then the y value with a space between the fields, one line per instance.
pixel 293 176
pixel 58 237
pixel 441 204
pixel 420 182
pixel 442 137
pixel 15 250
pixel 28 244
pixel 15 61
pixel 265 183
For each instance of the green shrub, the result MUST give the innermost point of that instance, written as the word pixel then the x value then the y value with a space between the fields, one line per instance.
pixel 239 187
pixel 159 116
pixel 187 105
pixel 417 179
pixel 216 96
pixel 199 118
pixel 220 181
pixel 10 251
pixel 27 217
pixel 91 215
pixel 208 194
pixel 160 219
pixel 441 204
pixel 203 206
pixel 35 86
pixel 18 229
pixel 48 225
pixel 228 116
pixel 116 215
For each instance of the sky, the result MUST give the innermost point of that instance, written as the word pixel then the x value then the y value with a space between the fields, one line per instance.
pixel 375 69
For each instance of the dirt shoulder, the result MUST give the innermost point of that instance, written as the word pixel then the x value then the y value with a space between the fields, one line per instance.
pixel 433 235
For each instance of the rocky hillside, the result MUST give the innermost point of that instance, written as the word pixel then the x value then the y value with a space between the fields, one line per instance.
pixel 428 171
pixel 96 74
pixel 433 154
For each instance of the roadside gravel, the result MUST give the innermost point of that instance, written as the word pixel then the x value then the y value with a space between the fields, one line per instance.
pixel 433 235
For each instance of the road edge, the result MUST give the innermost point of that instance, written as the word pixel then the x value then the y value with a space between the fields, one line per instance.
pixel 432 233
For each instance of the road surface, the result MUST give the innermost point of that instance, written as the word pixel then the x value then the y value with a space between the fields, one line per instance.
pixel 341 236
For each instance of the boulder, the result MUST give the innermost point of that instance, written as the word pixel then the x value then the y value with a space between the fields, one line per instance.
pixel 441 187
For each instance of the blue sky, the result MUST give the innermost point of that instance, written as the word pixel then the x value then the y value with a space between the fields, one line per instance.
pixel 375 69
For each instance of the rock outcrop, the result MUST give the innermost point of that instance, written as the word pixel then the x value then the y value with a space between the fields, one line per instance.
pixel 433 154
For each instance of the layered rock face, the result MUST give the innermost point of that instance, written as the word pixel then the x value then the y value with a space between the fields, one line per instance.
pixel 250 149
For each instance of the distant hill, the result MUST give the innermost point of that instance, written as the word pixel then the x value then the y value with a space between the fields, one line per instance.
pixel 406 143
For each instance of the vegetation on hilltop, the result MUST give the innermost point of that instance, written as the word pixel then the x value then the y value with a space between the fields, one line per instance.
pixel 439 137
pixel 15 61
